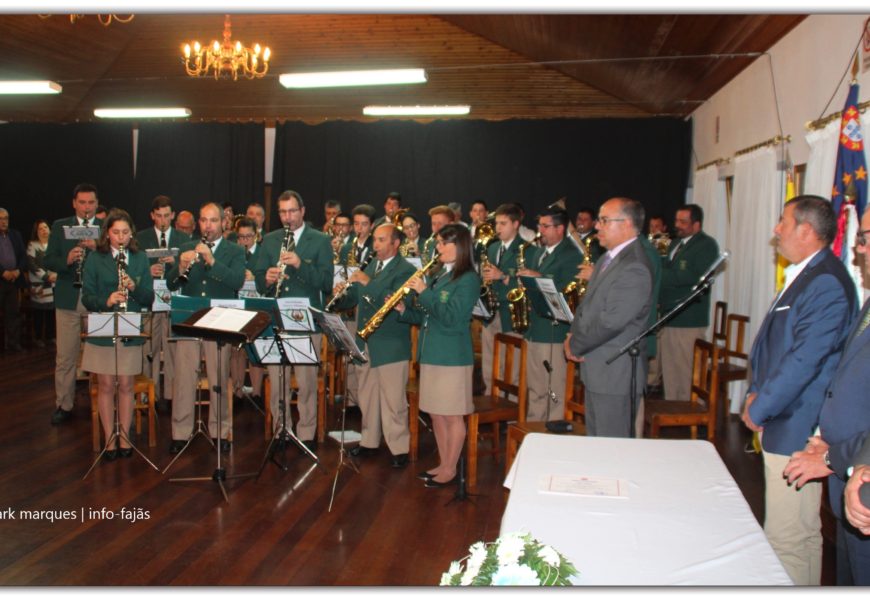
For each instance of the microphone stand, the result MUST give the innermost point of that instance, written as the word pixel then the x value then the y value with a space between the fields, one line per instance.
pixel 632 347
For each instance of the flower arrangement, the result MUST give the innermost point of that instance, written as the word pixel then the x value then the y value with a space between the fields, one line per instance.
pixel 513 559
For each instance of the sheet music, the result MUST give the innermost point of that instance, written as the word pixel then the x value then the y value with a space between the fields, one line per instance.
pixel 227 303
pixel 416 261
pixel 299 350
pixel 160 252
pixel 555 300
pixel 577 485
pixel 295 315
pixel 338 273
pixel 225 319
pixel 103 324
pixel 81 232
pixel 249 289
pixel 162 296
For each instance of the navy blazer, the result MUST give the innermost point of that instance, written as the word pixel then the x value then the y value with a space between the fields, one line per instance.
pixel 796 351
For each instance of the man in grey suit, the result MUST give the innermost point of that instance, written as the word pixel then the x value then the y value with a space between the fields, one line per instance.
pixel 615 309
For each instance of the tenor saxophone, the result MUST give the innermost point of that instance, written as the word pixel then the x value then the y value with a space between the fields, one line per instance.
pixel 378 318
pixel 518 301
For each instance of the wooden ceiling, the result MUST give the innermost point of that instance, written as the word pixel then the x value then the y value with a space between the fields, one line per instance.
pixel 504 66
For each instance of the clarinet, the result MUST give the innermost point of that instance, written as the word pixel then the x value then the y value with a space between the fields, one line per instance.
pixel 283 269
pixel 331 304
pixel 122 273
pixel 78 273
pixel 182 277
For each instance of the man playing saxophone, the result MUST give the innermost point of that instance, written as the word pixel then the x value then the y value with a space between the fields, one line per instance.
pixel 382 381
pixel 557 259
pixel 501 273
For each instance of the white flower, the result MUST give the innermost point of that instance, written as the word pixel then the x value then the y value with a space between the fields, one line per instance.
pixel 510 548
pixel 515 575
pixel 455 568
pixel 549 556
pixel 475 560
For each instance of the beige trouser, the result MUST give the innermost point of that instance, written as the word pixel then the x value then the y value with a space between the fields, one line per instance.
pixel 187 357
pixel 159 349
pixel 238 363
pixel 654 375
pixel 792 522
pixel 352 381
pixel 675 353
pixel 487 342
pixel 540 406
pixel 384 405
pixel 306 377
pixel 69 345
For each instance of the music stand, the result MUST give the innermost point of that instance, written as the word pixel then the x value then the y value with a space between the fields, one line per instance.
pixel 345 345
pixel 131 329
pixel 222 325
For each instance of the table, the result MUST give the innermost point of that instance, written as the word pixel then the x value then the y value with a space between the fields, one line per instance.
pixel 683 522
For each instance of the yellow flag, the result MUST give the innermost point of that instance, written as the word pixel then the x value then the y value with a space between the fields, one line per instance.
pixel 782 263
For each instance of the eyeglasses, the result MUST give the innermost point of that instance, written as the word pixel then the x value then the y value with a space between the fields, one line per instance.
pixel 861 238
pixel 245 236
pixel 605 220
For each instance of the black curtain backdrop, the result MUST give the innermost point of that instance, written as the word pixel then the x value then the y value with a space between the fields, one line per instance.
pixel 42 163
pixel 195 163
pixel 533 162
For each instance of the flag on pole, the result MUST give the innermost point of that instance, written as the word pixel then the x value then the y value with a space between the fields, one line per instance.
pixel 782 263
pixel 850 178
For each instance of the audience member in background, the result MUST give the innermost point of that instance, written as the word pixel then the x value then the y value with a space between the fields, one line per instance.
pixel 392 204
pixel 257 214
pixel 13 264
pixel 101 213
pixel 439 216
pixel 525 233
pixel 331 209
pixel 478 214
pixel 456 207
pixel 413 243
pixel 41 284
pixel 185 222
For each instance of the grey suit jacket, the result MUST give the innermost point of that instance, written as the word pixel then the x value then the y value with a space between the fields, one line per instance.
pixel 615 309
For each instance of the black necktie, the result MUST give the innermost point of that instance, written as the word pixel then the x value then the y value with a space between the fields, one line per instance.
pixel 162 239
pixel 291 243
pixel 499 255
pixel 248 255
pixel 378 267
pixel 84 222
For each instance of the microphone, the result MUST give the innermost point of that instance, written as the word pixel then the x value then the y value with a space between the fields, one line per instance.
pixel 719 260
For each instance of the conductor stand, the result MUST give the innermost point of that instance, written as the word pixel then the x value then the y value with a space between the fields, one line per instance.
pixel 632 347
pixel 97 322
pixel 345 346
pixel 222 325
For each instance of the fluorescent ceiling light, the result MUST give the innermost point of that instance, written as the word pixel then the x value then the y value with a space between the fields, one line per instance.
pixel 404 111
pixel 350 78
pixel 142 113
pixel 29 87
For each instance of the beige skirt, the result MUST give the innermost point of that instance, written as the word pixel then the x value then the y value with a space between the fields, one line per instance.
pixel 101 359
pixel 446 390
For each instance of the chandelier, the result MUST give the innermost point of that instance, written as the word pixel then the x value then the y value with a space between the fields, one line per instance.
pixel 104 20
pixel 227 60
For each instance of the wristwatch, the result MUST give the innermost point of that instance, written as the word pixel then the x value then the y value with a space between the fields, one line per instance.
pixel 827 459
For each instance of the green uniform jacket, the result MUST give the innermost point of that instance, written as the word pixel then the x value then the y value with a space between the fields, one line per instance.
pixel 66 296
pixel 561 267
pixel 444 313
pixel 351 243
pixel 391 342
pixel 681 274
pixel 223 280
pixel 655 260
pixel 313 278
pixel 148 239
pixel 508 266
pixel 100 280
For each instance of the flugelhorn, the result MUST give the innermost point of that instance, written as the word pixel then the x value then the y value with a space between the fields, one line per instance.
pixel 378 318
pixel 182 277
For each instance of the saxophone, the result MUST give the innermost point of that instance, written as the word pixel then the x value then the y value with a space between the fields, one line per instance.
pixel 378 318
pixel 283 270
pixel 483 235
pixel 518 301
pixel 576 290
pixel 122 273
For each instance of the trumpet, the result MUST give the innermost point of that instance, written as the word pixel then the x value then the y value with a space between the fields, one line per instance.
pixel 122 274
pixel 378 318
pixel 183 277
pixel 285 247
pixel 518 301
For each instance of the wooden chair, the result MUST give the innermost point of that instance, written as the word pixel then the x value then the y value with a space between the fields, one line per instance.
pixel 412 392
pixel 733 358
pixel 575 411
pixel 700 408
pixel 720 315
pixel 142 387
pixel 495 407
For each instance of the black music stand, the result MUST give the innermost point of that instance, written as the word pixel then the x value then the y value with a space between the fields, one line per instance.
pixel 117 337
pixel 223 326
pixel 345 345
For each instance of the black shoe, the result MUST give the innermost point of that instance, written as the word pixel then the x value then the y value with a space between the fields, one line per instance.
pixel 110 455
pixel 176 446
pixel 362 451
pixel 431 483
pixel 425 475
pixel 60 416
pixel 399 461
pixel 310 444
pixel 125 452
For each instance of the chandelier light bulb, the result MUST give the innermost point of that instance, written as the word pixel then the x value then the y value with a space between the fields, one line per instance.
pixel 226 60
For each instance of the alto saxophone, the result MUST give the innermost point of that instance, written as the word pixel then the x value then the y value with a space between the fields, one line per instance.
pixel 378 318
pixel 282 268
pixel 576 290
pixel 122 273
pixel 518 301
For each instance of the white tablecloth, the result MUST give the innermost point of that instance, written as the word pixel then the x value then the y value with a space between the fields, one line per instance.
pixel 684 521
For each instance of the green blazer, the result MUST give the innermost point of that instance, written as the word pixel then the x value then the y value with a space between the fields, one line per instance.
pixel 351 243
pixel 313 278
pixel 655 260
pixel 100 279
pixel 681 273
pixel 66 296
pixel 223 280
pixel 443 311
pixel 508 265
pixel 251 261
pixel 561 267
pixel 391 342
pixel 147 239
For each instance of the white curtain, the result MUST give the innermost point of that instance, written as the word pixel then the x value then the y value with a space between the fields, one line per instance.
pixel 756 204
pixel 710 194
pixel 822 161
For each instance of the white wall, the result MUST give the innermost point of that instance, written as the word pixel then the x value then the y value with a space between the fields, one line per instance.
pixel 807 65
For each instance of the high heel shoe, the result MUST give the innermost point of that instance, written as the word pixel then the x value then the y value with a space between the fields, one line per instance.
pixel 125 452
pixel 425 475
pixel 431 483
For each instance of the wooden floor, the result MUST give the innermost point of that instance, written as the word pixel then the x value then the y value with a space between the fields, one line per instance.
pixel 385 528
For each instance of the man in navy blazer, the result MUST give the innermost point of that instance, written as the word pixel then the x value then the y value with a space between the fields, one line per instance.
pixel 12 269
pixel 857 507
pixel 793 359
pixel 844 424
